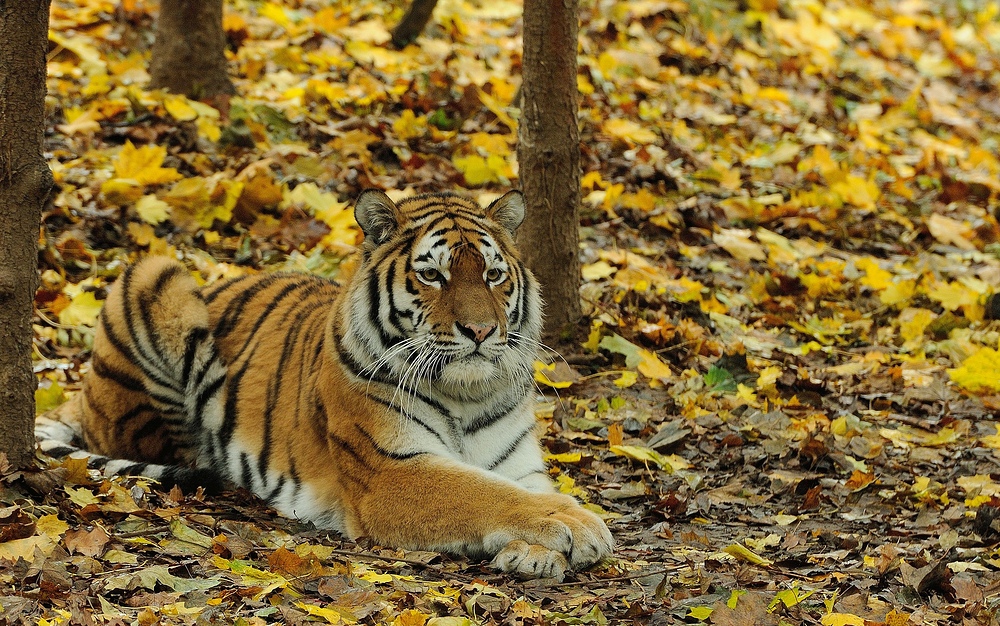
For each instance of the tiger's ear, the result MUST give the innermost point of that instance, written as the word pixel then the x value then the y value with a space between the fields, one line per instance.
pixel 508 210
pixel 377 216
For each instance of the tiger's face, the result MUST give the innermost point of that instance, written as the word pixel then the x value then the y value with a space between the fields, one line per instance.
pixel 449 301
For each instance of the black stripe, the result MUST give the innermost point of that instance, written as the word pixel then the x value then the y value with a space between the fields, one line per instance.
pixel 60 451
pixel 126 381
pixel 488 419
pixel 349 449
pixel 207 392
pixel 277 490
pixel 412 418
pixel 121 346
pixel 305 365
pixel 274 386
pixel 136 469
pixel 152 426
pixel 154 359
pixel 225 433
pixel 511 448
pixel 538 471
pixel 194 339
pixel 521 311
pixel 209 294
pixel 390 454
pixel 375 309
pixel 172 272
pixel 246 475
pixel 149 297
pixel 390 277
pixel 227 321
pixel 130 415
pixel 97 461
pixel 271 306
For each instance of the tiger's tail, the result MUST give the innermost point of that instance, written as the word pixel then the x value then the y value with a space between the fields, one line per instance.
pixel 59 435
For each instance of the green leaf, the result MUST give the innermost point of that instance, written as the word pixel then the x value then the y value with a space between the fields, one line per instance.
pixel 48 397
pixel 719 379
pixel 619 345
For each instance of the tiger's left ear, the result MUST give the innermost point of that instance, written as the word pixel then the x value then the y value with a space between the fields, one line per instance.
pixel 377 216
pixel 508 210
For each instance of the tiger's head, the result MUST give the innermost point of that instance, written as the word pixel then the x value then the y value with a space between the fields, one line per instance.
pixel 441 296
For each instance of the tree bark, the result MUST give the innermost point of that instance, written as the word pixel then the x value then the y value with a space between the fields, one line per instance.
pixel 189 54
pixel 25 181
pixel 413 23
pixel 549 158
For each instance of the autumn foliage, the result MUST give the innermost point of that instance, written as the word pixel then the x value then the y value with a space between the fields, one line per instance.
pixel 785 397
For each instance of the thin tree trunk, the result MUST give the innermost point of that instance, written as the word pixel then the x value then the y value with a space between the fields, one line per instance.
pixel 549 158
pixel 25 181
pixel 413 23
pixel 189 54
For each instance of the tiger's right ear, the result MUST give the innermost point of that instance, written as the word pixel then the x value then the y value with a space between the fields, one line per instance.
pixel 377 216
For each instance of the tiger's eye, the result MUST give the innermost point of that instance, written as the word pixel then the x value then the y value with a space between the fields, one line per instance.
pixel 493 274
pixel 429 275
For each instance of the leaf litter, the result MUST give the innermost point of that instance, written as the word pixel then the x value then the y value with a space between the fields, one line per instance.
pixel 784 396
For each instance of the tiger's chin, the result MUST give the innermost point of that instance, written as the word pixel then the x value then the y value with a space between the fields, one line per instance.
pixel 473 370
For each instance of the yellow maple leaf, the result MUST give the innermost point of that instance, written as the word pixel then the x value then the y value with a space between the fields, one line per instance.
pixel 410 617
pixel 653 368
pixel 598 270
pixel 179 108
pixel 546 374
pixel 144 165
pixel 409 126
pixel 875 277
pixel 121 191
pixel 951 232
pixel 627 379
pixel 898 292
pixel 325 207
pixel 198 202
pixel 980 372
pixel 83 309
pixel 913 322
pixel 629 131
pixel 331 616
pixel 480 170
pixel 953 295
pixel 841 619
pixel 151 209
pixel 737 242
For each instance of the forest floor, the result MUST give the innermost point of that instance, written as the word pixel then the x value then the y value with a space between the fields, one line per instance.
pixel 783 399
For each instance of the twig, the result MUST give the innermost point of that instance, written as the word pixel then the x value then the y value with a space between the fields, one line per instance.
pixel 594 582
pixel 141 533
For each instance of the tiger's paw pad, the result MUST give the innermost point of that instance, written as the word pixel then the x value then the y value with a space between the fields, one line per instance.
pixel 531 561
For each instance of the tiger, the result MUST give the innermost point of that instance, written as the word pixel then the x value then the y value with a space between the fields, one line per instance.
pixel 396 405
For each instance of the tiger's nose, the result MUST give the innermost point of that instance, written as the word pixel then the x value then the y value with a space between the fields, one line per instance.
pixel 476 332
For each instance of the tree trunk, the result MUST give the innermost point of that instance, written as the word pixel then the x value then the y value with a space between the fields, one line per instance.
pixel 25 181
pixel 413 23
pixel 549 158
pixel 189 54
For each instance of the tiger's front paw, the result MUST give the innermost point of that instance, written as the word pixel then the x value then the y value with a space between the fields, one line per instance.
pixel 528 561
pixel 556 523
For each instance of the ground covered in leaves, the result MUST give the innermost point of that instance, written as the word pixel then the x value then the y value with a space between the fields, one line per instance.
pixel 783 398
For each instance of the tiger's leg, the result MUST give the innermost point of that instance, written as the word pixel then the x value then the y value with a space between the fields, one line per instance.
pixel 152 364
pixel 428 502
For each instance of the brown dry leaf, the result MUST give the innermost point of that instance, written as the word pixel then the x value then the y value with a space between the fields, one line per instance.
pixel 87 542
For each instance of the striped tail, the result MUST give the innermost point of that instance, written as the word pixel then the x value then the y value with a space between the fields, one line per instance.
pixel 59 436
